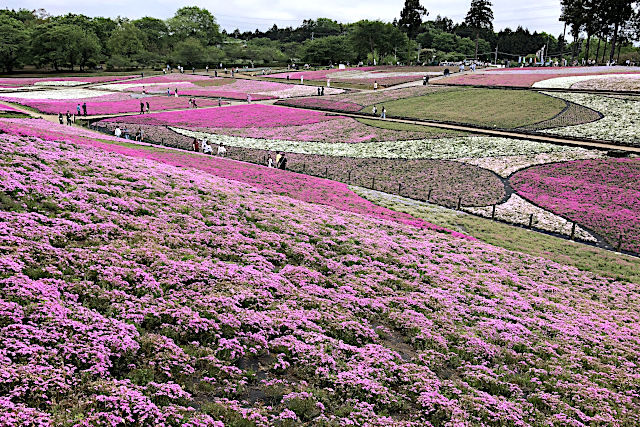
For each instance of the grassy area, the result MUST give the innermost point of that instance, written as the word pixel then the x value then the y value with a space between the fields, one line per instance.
pixel 12 115
pixel 213 82
pixel 583 257
pixel 426 130
pixel 486 107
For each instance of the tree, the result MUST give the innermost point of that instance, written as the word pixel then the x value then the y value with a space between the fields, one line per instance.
pixel 411 17
pixel 332 49
pixel 155 32
pixel 126 42
pixel 189 52
pixel 376 39
pixel 63 45
pixel 13 42
pixel 573 13
pixel 480 16
pixel 616 13
pixel 195 22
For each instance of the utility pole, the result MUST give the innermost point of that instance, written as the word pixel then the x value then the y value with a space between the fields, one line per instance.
pixel 496 60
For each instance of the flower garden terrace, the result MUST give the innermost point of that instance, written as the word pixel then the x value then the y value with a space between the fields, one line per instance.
pixel 137 292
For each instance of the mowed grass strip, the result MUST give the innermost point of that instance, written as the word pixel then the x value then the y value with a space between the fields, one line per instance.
pixel 498 108
pixel 586 258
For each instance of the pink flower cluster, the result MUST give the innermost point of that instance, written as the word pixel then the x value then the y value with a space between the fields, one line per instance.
pixel 236 116
pixel 602 195
pixel 134 292
pixel 4 108
pixel 111 104
pixel 317 74
pixel 26 81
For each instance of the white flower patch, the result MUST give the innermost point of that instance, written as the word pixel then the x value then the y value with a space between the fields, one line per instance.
pixel 568 81
pixel 60 83
pixel 444 148
pixel 299 90
pixel 56 94
pixel 507 165
pixel 370 75
pixel 621 120
pixel 517 210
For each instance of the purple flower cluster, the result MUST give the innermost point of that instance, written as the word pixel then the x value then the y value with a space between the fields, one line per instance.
pixel 133 292
pixel 602 195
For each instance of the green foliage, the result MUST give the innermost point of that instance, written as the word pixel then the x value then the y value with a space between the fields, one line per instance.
pixel 13 42
pixel 332 49
pixel 64 45
pixel 125 42
pixel 411 17
pixel 194 22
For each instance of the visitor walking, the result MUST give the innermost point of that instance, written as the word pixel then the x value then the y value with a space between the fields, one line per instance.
pixel 375 85
pixel 176 92
pixel 60 118
pixel 374 110
pixel 278 157
pixel 195 145
pixel 168 92
pixel 269 161
pixel 84 108
pixel 193 102
pixel 117 132
pixel 301 80
pixel 384 113
pixel 141 107
pixel 221 150
pixel 78 109
pixel 148 108
pixel 219 102
pixel 206 148
pixel 283 162
pixel 318 91
pixel 248 98
pixel 68 119
pixel 322 92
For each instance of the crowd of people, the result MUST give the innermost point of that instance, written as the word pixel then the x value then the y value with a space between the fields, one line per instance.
pixel 203 146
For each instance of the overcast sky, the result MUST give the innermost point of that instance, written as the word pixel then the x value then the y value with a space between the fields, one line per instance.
pixel 539 15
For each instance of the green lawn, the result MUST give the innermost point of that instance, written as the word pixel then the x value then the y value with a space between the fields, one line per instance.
pixel 516 239
pixel 426 130
pixel 486 107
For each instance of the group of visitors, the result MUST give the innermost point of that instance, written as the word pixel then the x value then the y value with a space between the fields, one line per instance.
pixel 175 92
pixel 383 113
pixel 71 119
pixel 82 107
pixel 280 161
pixel 143 105
pixel 192 103
pixel 203 146
pixel 138 136
pixel 321 91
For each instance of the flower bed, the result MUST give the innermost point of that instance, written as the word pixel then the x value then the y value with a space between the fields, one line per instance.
pixel 600 194
pixel 8 108
pixel 385 76
pixel 620 122
pixel 573 115
pixel 236 116
pixel 133 292
pixel 618 82
pixel 105 105
pixel 62 81
pixel 61 94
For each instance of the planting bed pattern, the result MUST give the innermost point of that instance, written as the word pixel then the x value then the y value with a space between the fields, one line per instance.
pixel 135 292
pixel 385 76
pixel 57 81
pixel 602 194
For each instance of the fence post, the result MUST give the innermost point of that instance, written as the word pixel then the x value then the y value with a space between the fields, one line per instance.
pixel 326 172
pixel 620 242
pixel 429 195
pixel 304 167
pixel 399 188
pixel 459 202
pixel 530 220
pixel 493 212
pixel 373 183
pixel 349 180
pixel 573 230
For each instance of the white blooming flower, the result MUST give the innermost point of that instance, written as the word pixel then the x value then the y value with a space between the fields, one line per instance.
pixel 75 93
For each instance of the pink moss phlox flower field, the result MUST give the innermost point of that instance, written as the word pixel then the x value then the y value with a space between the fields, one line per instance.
pixel 324 103
pixel 526 77
pixel 111 104
pixel 297 186
pixel 133 292
pixel 19 81
pixel 236 116
pixel 317 74
pixel 168 78
pixel 603 195
pixel 4 108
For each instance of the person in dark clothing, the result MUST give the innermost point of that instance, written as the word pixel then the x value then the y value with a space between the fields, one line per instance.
pixel 283 162
pixel 60 118
pixel 141 107
pixel 148 108
pixel 322 92
pixel 68 118
pixel 318 91
pixel 84 108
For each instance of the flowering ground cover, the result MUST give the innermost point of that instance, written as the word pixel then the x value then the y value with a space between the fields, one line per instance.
pixel 602 195
pixel 58 81
pixel 574 114
pixel 4 108
pixel 236 116
pixel 54 94
pixel 527 77
pixel 135 292
pixel 384 75
pixel 301 187
pixel 619 122
pixel 112 104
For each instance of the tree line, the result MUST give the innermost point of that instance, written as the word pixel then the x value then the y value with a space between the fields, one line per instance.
pixel 193 38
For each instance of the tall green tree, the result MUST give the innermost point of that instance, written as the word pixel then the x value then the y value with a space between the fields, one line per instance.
pixel 14 41
pixel 197 23
pixel 125 45
pixel 411 17
pixel 480 16
pixel 616 13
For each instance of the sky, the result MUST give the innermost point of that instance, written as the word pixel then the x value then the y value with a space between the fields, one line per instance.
pixel 540 15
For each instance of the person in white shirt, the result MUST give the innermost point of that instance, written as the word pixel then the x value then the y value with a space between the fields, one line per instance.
pixel 221 150
pixel 270 161
pixel 206 148
pixel 118 132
